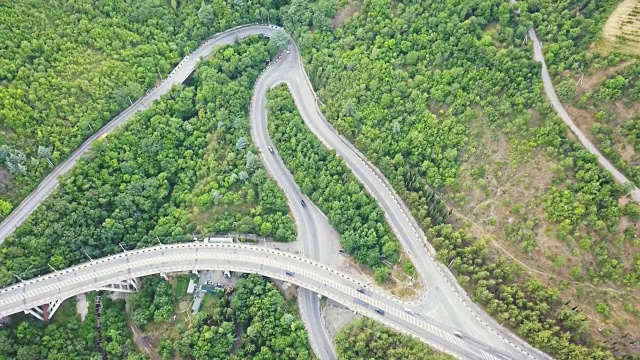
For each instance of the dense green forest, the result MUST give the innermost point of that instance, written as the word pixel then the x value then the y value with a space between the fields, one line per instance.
pixel 69 67
pixel 410 84
pixel 567 29
pixel 364 339
pixel 257 322
pixel 69 337
pixel 144 180
pixel 330 184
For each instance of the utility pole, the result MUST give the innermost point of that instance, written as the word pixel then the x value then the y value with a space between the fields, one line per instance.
pixel 131 102
pixel 158 240
pixel 122 247
pixel 52 268
pixel 85 252
pixel 160 74
pixel 18 277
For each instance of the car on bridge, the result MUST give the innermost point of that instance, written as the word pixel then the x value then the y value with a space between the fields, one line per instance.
pixel 380 311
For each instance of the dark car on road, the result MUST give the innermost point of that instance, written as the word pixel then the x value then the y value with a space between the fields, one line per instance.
pixel 304 204
pixel 380 311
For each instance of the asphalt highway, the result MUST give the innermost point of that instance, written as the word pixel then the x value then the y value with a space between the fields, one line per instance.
pixel 444 300
pixel 319 240
pixel 298 270
pixel 179 74
pixel 444 306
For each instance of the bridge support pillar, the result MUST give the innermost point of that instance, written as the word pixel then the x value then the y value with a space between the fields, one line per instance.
pixel 46 311
pixel 129 285
pixel 36 313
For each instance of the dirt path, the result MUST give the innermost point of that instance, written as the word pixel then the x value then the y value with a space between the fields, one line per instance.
pixel 144 343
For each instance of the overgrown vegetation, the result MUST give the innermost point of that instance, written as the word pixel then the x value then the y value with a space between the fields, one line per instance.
pixel 607 108
pixel 365 339
pixel 139 182
pixel 154 301
pixel 68 337
pixel 526 305
pixel 567 29
pixel 411 83
pixel 256 323
pixel 69 67
pixel 330 184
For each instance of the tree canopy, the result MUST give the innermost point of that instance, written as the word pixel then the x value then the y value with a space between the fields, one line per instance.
pixel 365 339
pixel 147 180
pixel 69 67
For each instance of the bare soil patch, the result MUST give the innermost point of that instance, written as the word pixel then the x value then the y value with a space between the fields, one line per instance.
pixel 344 13
pixel 82 306
pixel 510 191
pixel 399 283
pixel 5 179
pixel 336 317
pixel 590 82
pixel 582 118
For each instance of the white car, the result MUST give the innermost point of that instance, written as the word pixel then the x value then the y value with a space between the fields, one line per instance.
pixel 270 149
pixel 458 334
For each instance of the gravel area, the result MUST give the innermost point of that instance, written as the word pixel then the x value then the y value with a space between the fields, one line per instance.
pixel 82 306
pixel 336 317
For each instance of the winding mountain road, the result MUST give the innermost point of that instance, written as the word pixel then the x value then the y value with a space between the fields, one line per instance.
pixel 443 303
pixel 177 76
pixel 557 105
pixel 285 266
pixel 444 300
pixel 319 240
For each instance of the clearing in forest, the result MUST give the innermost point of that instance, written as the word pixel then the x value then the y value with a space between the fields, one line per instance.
pixel 621 32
